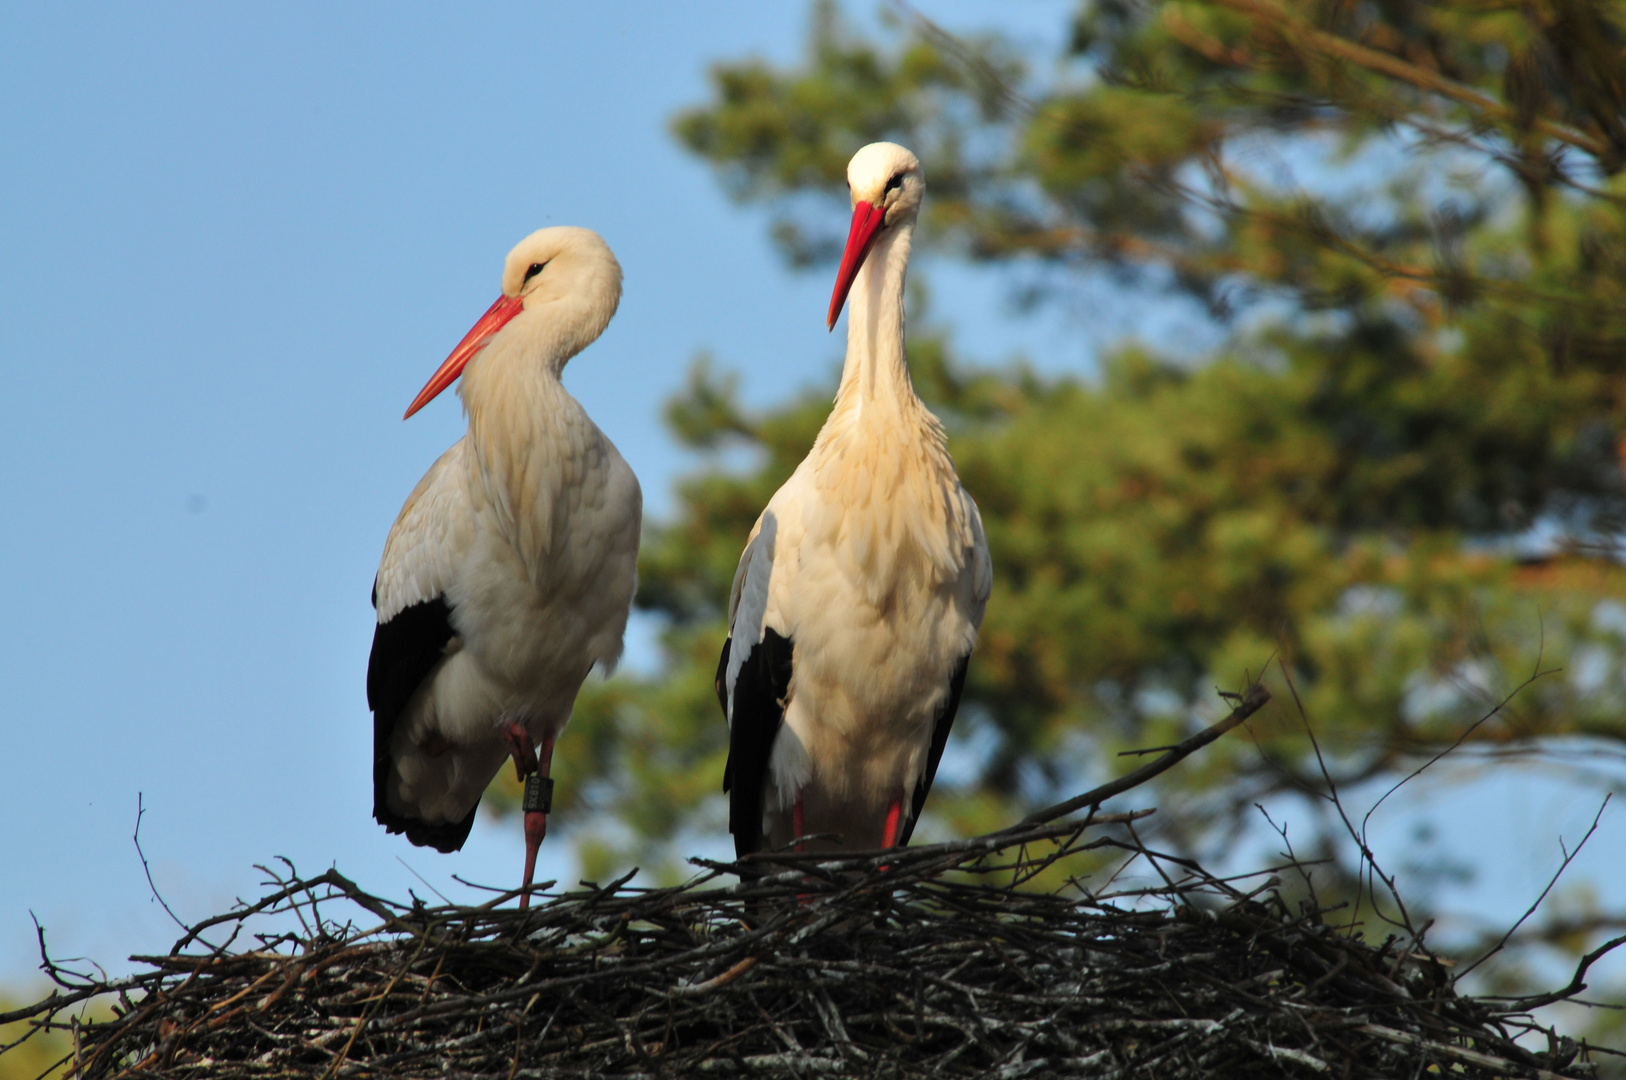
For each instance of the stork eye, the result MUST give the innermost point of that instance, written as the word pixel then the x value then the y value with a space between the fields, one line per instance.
pixel 536 268
pixel 895 182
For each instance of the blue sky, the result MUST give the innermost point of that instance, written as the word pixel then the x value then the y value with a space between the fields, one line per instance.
pixel 236 241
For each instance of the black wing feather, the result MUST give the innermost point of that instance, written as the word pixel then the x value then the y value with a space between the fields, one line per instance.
pixel 405 652
pixel 940 734
pixel 759 695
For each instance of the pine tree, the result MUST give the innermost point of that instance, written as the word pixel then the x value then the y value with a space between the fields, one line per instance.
pixel 1398 482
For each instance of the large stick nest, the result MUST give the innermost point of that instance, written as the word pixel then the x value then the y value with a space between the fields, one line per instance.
pixel 939 961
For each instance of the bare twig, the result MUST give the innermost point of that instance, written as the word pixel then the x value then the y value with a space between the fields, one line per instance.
pixel 1569 857
pixel 136 838
pixel 1536 673
pixel 1251 702
pixel 930 963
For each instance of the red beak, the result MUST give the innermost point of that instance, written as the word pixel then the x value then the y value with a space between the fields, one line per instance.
pixel 867 222
pixel 495 318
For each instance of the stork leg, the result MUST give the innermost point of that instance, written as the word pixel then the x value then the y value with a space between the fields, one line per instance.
pixel 889 831
pixel 538 790
pixel 797 829
pixel 894 817
pixel 536 816
pixel 520 748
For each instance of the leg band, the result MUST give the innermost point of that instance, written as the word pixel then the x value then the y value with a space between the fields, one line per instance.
pixel 538 794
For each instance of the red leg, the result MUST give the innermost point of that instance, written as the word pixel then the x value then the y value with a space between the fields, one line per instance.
pixel 797 829
pixel 536 821
pixel 894 813
pixel 520 747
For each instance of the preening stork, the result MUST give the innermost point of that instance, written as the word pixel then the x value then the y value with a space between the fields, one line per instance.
pixel 857 600
pixel 510 570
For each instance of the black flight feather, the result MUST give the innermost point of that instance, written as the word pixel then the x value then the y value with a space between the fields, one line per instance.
pixel 940 734
pixel 759 695
pixel 405 652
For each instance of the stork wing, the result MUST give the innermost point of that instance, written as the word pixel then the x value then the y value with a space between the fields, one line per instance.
pixel 759 694
pixel 982 563
pixel 415 627
pixel 429 538
pixel 940 735
pixel 753 680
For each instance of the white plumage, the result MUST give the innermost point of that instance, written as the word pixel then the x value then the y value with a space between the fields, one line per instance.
pixel 510 571
pixel 858 597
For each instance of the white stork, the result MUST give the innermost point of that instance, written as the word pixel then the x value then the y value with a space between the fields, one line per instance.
pixel 510 570
pixel 857 600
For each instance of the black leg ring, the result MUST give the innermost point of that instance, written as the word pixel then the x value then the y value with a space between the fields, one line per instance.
pixel 538 794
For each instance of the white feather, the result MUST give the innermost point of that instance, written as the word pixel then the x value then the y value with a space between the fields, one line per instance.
pixel 528 527
pixel 872 559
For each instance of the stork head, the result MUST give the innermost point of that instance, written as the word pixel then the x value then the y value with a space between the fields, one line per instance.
pixel 886 186
pixel 560 287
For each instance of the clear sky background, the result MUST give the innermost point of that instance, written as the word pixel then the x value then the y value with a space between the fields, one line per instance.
pixel 235 241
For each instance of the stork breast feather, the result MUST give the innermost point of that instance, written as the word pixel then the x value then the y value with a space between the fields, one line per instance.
pixel 898 515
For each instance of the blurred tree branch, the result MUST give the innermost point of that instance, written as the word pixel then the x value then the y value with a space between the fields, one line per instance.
pixel 1400 469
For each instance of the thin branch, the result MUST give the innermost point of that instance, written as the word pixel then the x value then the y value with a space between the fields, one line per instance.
pixel 1469 730
pixel 1251 702
pixel 1369 860
pixel 136 837
pixel 1569 857
pixel 1576 985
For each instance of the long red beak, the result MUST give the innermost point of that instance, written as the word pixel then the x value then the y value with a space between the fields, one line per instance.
pixel 867 222
pixel 495 318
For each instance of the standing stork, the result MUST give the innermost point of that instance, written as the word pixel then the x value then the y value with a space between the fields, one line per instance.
pixel 857 600
pixel 510 570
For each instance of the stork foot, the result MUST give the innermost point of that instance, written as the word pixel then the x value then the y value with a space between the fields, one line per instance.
pixel 520 748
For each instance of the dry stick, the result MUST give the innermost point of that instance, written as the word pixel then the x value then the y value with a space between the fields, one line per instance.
pixel 1576 985
pixel 1251 702
pixel 51 968
pixel 1536 673
pixel 975 985
pixel 1502 1066
pixel 519 1025
pixel 333 878
pixel 421 878
pixel 719 980
pixel 933 921
pixel 1569 857
pixel 914 856
pixel 378 1003
pixel 59 1001
pixel 293 875
pixel 136 836
pixel 1370 871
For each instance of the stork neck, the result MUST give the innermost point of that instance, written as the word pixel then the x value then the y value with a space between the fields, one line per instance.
pixel 877 372
pixel 512 386
pixel 522 423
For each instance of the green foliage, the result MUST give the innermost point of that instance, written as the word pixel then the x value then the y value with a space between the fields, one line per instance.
pixel 33 1054
pixel 1426 355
